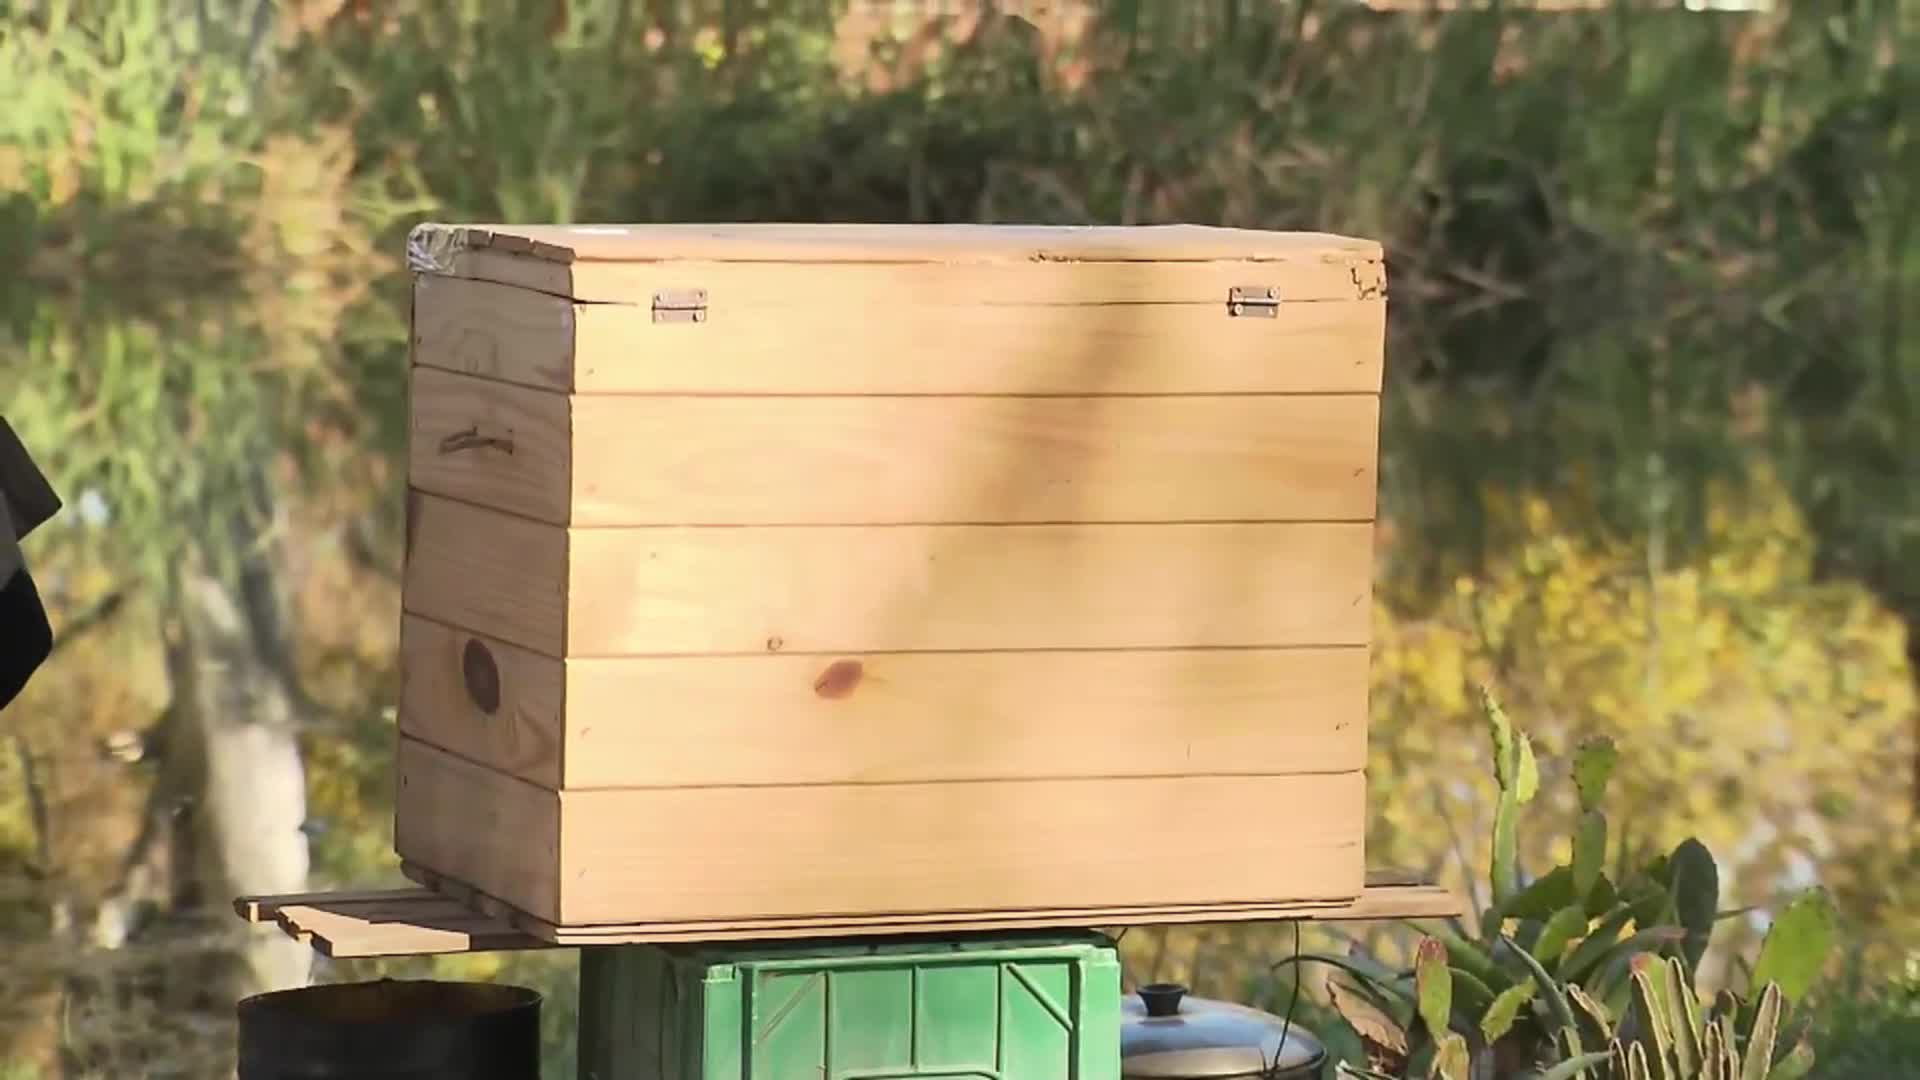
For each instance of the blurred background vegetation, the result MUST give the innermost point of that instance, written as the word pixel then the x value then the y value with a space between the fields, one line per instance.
pixel 1651 462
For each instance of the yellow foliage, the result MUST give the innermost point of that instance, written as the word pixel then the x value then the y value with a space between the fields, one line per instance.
pixel 1770 715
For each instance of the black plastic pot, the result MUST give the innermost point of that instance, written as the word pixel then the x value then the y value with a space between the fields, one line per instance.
pixel 392 1030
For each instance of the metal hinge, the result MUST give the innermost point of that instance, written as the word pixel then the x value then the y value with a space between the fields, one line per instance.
pixel 680 305
pixel 1253 301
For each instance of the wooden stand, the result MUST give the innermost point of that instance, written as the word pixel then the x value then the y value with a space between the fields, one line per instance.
pixel 671 1001
pixel 424 921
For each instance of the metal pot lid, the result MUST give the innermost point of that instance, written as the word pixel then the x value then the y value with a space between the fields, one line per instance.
pixel 1166 1033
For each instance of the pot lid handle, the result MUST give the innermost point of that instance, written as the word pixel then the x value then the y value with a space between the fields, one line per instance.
pixel 1162 999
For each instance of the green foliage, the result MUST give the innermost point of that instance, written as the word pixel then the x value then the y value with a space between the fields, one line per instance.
pixel 1795 952
pixel 1557 964
pixel 1672 1040
pixel 1867 1024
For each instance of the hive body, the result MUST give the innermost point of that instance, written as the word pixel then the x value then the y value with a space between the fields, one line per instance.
pixel 833 572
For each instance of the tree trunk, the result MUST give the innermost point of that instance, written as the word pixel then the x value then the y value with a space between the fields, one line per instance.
pixel 235 751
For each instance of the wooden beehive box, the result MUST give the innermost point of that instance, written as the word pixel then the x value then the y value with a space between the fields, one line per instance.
pixel 832 575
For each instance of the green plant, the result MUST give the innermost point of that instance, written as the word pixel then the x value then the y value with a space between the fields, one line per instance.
pixel 1867 1024
pixel 1532 989
pixel 1666 1035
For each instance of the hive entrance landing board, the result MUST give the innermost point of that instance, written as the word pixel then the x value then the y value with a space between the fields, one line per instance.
pixel 427 921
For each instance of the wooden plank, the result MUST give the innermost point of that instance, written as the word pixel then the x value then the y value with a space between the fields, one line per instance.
pixel 877 460
pixel 478 825
pixel 421 925
pixel 882 718
pixel 261 908
pixel 926 346
pixel 871 287
pixel 496 331
pixel 493 444
pixel 469 566
pixel 1393 902
pixel 889 243
pixel 950 348
pixel 628 855
pixel 861 589
pixel 961 460
pixel 500 705
pixel 952 587
pixel 897 922
pixel 1383 896
pixel 341 934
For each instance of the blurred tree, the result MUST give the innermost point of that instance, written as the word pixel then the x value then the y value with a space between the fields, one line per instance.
pixel 183 268
pixel 1635 256
pixel 1755 707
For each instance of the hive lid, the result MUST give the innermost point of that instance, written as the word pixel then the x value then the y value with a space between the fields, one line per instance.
pixel 1167 1033
pixel 431 248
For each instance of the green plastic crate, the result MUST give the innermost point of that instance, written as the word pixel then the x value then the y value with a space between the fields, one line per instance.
pixel 1007 1007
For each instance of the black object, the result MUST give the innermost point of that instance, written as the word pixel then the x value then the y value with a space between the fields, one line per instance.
pixel 392 1030
pixel 26 639
pixel 1162 999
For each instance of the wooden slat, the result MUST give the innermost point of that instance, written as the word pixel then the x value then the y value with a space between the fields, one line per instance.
pixel 829 589
pixel 891 243
pixel 929 345
pixel 880 287
pixel 1374 904
pixel 917 588
pixel 994 844
pixel 522 727
pixel 736 853
pixel 478 825
pixel 420 924
pixel 386 922
pixel 884 718
pixel 495 331
pixel 626 460
pixel 261 908
pixel 828 924
pixel 480 568
pixel 342 935
pixel 970 460
pixel 1379 899
pixel 497 445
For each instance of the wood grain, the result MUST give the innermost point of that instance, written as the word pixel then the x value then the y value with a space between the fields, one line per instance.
pixel 926 346
pixel 871 287
pixel 890 718
pixel 485 442
pixel 496 331
pixel 1374 903
pixel 419 921
pixel 640 855
pixel 625 460
pixel 818 242
pixel 919 588
pixel 473 567
pixel 525 732
pixel 478 825
pixel 887 718
pixel 648 591
pixel 644 855
pixel 962 460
